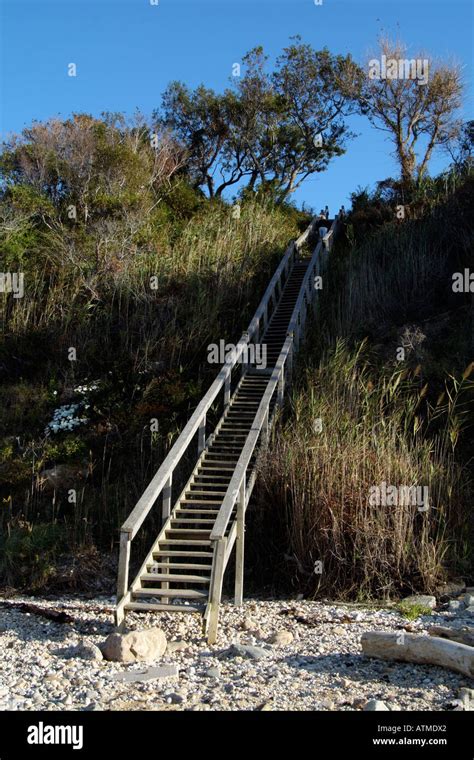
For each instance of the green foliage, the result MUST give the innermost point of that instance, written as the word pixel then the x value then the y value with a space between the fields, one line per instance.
pixel 412 611
pixel 271 130
pixel 88 284
pixel 28 553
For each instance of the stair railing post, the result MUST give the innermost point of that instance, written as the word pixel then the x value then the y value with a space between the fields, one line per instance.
pixel 202 435
pixel 245 356
pixel 165 513
pixel 227 390
pixel 289 360
pixel 216 588
pixel 239 547
pixel 123 567
pixel 281 387
pixel 166 504
pixel 265 429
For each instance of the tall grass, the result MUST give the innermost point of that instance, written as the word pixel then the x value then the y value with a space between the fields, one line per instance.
pixel 314 502
pixel 146 348
pixel 215 263
pixel 399 419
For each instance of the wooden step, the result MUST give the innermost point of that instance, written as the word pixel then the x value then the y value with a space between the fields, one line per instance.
pixel 144 607
pixel 192 532
pixel 175 577
pixel 210 481
pixel 216 469
pixel 183 542
pixel 200 501
pixel 175 554
pixel 229 448
pixel 219 489
pixel 180 566
pixel 202 493
pixel 199 511
pixel 221 458
pixel 183 593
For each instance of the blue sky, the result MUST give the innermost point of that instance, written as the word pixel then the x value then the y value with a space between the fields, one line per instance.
pixel 126 51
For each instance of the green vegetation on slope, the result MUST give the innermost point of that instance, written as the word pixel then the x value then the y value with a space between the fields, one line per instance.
pixel 137 287
pixel 364 412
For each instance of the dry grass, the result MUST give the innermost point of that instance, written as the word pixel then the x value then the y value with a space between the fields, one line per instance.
pixel 376 427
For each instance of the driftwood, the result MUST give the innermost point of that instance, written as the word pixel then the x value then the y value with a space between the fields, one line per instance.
pixel 408 647
pixel 464 635
pixel 55 615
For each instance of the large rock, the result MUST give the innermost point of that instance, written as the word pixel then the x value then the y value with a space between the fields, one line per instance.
pixel 87 651
pixel 423 600
pixel 375 705
pixel 136 646
pixel 281 638
pixel 451 589
pixel 245 650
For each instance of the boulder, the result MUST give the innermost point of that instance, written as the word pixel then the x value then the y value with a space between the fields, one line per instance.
pixel 281 638
pixel 87 651
pixel 451 589
pixel 423 600
pixel 374 705
pixel 136 646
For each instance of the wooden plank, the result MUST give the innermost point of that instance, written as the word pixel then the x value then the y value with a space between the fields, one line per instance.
pixel 184 593
pixel 181 577
pixel 239 549
pixel 216 589
pixel 124 562
pixel 144 607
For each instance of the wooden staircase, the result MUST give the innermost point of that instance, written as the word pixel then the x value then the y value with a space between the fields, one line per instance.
pixel 184 568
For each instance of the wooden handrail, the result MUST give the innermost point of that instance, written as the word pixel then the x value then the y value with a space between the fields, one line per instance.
pixel 238 476
pixel 157 483
pixel 134 521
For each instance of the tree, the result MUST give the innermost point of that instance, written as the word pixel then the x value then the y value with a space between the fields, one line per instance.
pixel 95 165
pixel 461 147
pixel 270 129
pixel 415 101
pixel 87 187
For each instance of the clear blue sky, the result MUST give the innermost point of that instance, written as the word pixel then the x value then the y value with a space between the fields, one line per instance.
pixel 126 51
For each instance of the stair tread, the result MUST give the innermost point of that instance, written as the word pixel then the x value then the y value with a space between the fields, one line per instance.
pixel 183 565
pixel 184 593
pixel 170 553
pixel 185 542
pixel 175 577
pixel 156 607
